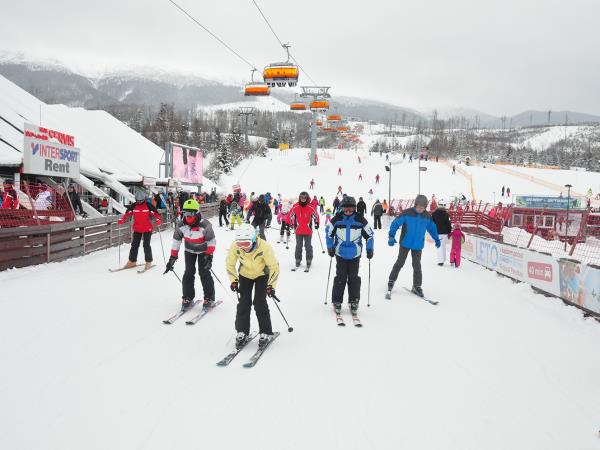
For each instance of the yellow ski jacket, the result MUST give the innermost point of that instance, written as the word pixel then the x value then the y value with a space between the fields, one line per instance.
pixel 260 261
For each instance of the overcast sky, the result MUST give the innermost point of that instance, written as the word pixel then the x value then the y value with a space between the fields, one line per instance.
pixel 500 57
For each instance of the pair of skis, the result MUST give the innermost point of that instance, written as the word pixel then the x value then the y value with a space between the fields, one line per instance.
pixel 340 320
pixel 388 296
pixel 254 358
pixel 194 319
pixel 137 265
pixel 306 269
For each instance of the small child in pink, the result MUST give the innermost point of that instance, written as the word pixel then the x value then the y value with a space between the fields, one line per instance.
pixel 328 214
pixel 457 237
pixel 283 218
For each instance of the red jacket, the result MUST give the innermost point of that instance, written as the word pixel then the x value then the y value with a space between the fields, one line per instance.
pixel 10 200
pixel 142 214
pixel 301 217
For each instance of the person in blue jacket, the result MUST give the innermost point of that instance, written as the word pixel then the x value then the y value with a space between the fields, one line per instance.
pixel 414 221
pixel 344 236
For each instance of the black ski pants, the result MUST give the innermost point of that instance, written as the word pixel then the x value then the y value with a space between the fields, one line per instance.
pixel 346 272
pixel 242 319
pixel 377 222
pixel 261 228
pixel 416 263
pixel 304 239
pixel 285 228
pixel 224 216
pixel 135 245
pixel 208 284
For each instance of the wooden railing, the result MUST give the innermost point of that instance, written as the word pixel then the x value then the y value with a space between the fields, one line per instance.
pixel 28 246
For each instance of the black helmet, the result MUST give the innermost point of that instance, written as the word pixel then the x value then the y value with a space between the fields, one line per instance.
pixel 348 202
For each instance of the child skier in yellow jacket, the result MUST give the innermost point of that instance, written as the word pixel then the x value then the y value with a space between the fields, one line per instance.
pixel 258 269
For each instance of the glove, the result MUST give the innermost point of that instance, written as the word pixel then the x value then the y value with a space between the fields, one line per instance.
pixel 316 226
pixel 170 264
pixel 369 254
pixel 270 291
pixel 392 241
pixel 158 222
pixel 234 286
pixel 120 221
pixel 438 243
pixel 207 262
pixel 331 252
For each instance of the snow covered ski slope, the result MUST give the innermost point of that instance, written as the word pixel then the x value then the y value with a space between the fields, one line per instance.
pixel 88 364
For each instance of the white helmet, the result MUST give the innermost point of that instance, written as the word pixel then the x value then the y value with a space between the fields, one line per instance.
pixel 245 232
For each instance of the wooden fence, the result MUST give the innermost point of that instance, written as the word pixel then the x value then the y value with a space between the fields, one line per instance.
pixel 28 246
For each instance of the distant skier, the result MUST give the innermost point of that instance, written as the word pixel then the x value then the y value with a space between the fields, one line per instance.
pixel 359 160
pixel 223 210
pixel 360 177
pixel 235 214
pixel 377 179
pixel 453 169
pixel 302 217
pixel 387 157
pixel 315 203
pixel 508 192
pixel 370 194
pixel 458 238
pixel 261 213
pixel 312 184
pixel 336 204
pixel 328 214
pixel 414 221
pixel 441 218
pixel 361 206
pixel 339 171
pixel 377 212
pixel 200 242
pixel 503 191
pixel 339 191
pixel 142 212
pixel 321 204
pixel 258 270
pixel 283 219
pixel 410 158
pixel 344 237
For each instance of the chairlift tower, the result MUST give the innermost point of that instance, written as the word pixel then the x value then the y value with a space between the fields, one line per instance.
pixel 316 93
pixel 246 111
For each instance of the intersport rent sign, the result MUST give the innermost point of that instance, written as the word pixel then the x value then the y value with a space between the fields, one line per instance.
pixel 49 152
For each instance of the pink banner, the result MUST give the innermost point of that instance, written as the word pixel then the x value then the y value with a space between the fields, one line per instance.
pixel 187 165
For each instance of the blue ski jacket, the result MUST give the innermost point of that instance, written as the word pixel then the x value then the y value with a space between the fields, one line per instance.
pixel 414 226
pixel 345 234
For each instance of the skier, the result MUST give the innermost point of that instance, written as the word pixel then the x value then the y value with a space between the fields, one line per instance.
pixel 441 218
pixel 458 238
pixel 321 204
pixel 10 199
pixel 377 212
pixel 75 200
pixel 410 158
pixel 360 177
pixel 370 194
pixel 223 212
pixel 283 219
pixel 339 171
pixel 258 269
pixel 344 241
pixel 312 184
pixel 200 243
pixel 339 191
pixel 414 221
pixel 336 204
pixel 359 160
pixel 453 169
pixel 361 206
pixel 377 179
pixel 235 213
pixel 508 192
pixel 142 212
pixel 503 191
pixel 385 206
pixel 302 216
pixel 328 214
pixel 262 214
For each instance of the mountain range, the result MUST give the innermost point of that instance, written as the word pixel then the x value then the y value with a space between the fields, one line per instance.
pixel 53 82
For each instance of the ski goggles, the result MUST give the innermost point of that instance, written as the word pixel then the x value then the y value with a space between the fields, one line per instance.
pixel 244 245
pixel 188 213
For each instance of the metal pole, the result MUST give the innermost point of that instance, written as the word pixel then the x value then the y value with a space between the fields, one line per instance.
pixel 313 139
pixel 419 174
pixel 568 186
pixel 390 183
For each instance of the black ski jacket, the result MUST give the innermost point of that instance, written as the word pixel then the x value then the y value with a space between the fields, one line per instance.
pixel 441 218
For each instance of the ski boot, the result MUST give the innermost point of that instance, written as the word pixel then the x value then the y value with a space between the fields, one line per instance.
pixel 148 265
pixel 388 294
pixel 130 264
pixel 263 340
pixel 337 307
pixel 418 291
pixel 440 264
pixel 354 307
pixel 241 339
pixel 186 302
pixel 208 303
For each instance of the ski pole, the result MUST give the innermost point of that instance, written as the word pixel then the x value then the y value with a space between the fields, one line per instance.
pixel 162 246
pixel 290 329
pixel 222 285
pixel 119 236
pixel 320 242
pixel 328 275
pixel 369 288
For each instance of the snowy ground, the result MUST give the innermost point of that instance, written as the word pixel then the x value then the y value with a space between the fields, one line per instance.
pixel 88 363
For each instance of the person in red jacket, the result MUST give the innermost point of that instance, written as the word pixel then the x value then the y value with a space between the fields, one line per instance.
pixel 10 200
pixel 301 217
pixel 142 212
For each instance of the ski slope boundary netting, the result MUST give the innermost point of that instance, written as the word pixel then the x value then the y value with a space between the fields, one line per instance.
pixel 35 204
pixel 573 234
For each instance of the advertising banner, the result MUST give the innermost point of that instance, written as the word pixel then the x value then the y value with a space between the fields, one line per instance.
pixel 542 202
pixel 580 284
pixel 187 164
pixel 51 153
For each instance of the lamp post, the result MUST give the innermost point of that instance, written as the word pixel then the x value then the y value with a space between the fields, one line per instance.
pixel 388 168
pixel 568 186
